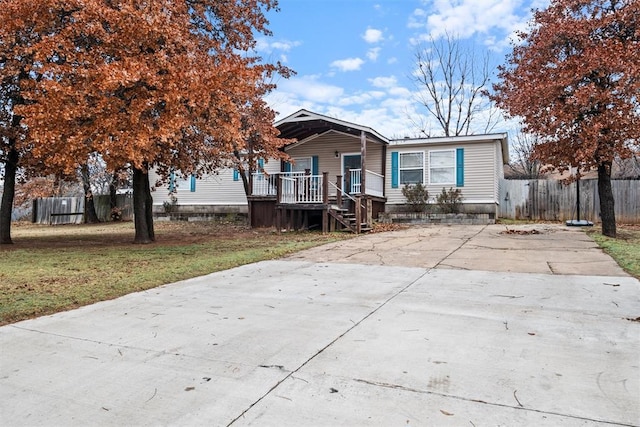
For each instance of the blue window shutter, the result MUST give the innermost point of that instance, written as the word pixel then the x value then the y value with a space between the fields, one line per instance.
pixel 314 165
pixel 460 167
pixel 172 182
pixel 193 183
pixel 260 165
pixel 287 167
pixel 236 175
pixel 394 169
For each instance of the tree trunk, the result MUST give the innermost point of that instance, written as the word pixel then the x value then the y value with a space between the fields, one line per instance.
pixel 6 207
pixel 607 212
pixel 113 194
pixel 142 207
pixel 90 216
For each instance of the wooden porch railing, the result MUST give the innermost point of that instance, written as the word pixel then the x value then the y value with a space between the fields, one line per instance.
pixel 375 182
pixel 302 187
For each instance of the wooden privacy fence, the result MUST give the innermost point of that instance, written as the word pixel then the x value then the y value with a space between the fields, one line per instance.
pixel 58 210
pixel 70 210
pixel 551 200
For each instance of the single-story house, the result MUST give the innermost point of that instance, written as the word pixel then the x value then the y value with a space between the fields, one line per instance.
pixel 338 165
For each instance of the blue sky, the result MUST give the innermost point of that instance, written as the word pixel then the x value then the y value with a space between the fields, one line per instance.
pixel 354 58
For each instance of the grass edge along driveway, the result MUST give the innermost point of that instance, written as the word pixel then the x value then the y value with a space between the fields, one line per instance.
pixel 53 269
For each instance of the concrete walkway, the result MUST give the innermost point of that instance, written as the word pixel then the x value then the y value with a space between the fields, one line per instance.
pixel 457 325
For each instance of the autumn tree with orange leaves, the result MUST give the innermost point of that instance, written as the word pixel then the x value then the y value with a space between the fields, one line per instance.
pixel 159 84
pixel 575 81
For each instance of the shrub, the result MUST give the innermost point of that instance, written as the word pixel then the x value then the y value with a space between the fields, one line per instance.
pixel 449 201
pixel 417 196
pixel 171 204
pixel 116 214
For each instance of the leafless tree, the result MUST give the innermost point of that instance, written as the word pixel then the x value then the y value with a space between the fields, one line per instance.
pixel 524 165
pixel 451 83
pixel 626 168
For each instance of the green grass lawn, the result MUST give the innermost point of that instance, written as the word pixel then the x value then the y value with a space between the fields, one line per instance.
pixel 625 249
pixel 51 269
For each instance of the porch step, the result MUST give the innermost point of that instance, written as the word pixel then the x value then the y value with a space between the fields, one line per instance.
pixel 348 220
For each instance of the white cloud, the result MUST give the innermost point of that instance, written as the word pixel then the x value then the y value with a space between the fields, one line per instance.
pixel 384 82
pixel 362 98
pixel 387 107
pixel 348 64
pixel 288 99
pixel 372 35
pixel 401 92
pixel 496 20
pixel 373 53
pixel 267 45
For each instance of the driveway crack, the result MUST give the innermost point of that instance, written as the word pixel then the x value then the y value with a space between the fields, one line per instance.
pixel 519 405
pixel 464 242
pixel 316 354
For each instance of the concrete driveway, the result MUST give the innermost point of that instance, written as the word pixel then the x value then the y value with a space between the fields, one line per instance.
pixel 457 325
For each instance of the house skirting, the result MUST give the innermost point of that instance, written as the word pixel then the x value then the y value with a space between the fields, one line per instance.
pixel 426 218
pixel 468 208
pixel 200 212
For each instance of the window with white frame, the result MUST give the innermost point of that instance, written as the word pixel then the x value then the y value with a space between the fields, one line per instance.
pixel 411 168
pixel 442 167
pixel 181 183
pixel 301 164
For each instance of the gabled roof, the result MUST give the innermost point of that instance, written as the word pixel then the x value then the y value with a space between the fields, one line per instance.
pixel 303 124
pixel 461 139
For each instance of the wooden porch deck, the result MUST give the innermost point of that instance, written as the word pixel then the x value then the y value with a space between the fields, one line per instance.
pixel 302 201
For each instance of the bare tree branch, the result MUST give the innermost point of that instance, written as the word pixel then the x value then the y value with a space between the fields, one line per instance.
pixel 524 165
pixel 451 83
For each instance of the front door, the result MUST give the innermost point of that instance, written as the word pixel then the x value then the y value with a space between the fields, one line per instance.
pixel 352 161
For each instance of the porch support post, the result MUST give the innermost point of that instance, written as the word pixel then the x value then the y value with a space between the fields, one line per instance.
pixel 363 173
pixel 279 221
pixel 278 188
pixel 325 188
pixel 358 215
pixel 347 180
pixel 363 163
pixel 325 202
pixel 325 219
pixel 339 191
pixel 307 184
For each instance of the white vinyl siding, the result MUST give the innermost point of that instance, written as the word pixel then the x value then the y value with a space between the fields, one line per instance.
pixel 411 168
pixel 479 170
pixel 215 189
